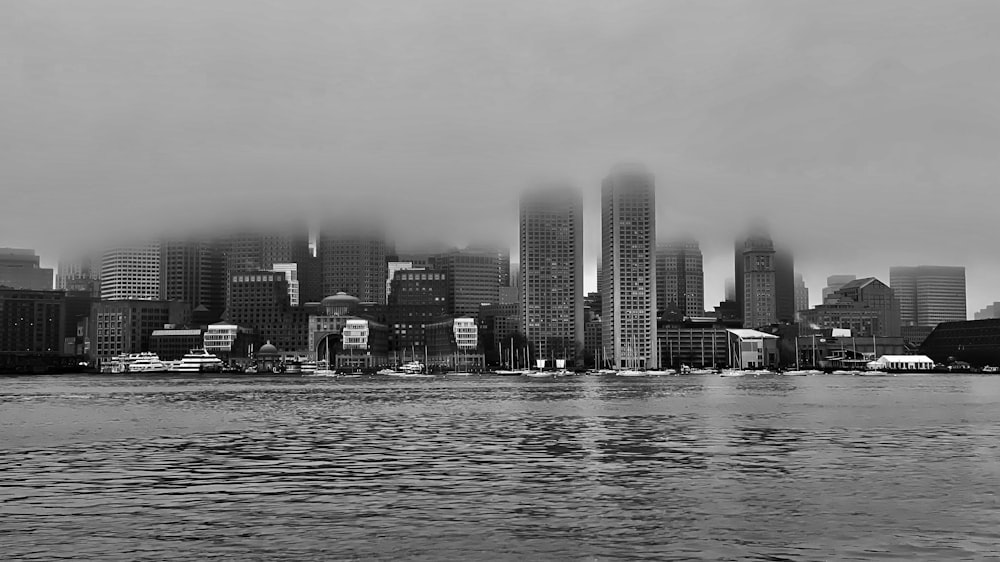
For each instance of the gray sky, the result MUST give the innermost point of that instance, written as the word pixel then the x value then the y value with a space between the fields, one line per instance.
pixel 867 132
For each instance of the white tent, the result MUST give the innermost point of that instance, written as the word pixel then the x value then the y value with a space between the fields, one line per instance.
pixel 902 363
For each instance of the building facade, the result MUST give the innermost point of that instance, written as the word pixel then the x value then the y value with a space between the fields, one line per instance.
pixel 193 271
pixel 551 272
pixel 131 272
pixel 628 256
pixel 32 321
pixel 126 326
pixel 835 282
pixel 929 294
pixel 801 295
pixel 475 276
pixel 757 281
pixel 353 262
pixel 681 277
pixel 21 269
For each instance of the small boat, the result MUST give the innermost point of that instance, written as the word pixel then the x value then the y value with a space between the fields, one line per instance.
pixel 701 372
pixel 413 368
pixel 538 374
pixel 387 372
pixel 632 373
pixel 991 370
pixel 732 373
pixel 507 372
pixel 800 373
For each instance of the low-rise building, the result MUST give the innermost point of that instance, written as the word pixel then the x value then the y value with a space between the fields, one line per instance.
pixel 454 345
pixel 126 326
pixel 172 344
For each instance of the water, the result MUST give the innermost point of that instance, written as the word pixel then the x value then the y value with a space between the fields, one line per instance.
pixel 794 468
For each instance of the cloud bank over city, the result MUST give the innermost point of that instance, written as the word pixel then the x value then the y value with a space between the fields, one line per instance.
pixel 866 133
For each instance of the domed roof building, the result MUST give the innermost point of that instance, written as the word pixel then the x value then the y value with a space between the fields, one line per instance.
pixel 340 304
pixel 267 351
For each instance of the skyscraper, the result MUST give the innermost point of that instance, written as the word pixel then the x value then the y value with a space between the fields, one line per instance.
pixel 784 285
pixel 628 257
pixel 475 276
pixel 681 277
pixel 929 294
pixel 353 261
pixel 260 249
pixel 131 272
pixel 756 279
pixel 193 271
pixel 551 271
pixel 801 295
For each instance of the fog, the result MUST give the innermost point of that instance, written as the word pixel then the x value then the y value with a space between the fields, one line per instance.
pixel 867 133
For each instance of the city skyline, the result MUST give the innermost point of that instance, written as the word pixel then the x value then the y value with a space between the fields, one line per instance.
pixel 120 118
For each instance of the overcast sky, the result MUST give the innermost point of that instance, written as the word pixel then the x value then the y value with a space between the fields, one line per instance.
pixel 867 133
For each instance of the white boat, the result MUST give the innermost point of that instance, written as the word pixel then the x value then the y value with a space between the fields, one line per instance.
pixel 607 372
pixel 991 370
pixel 844 372
pixel 632 373
pixel 459 374
pixel 800 373
pixel 507 372
pixel 198 361
pixel 732 373
pixel 387 372
pixel 661 372
pixel 145 362
pixel 413 368
pixel 537 374
pixel 700 372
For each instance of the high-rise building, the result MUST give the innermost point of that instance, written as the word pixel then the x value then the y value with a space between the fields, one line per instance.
pixel 475 276
pixel 260 249
pixel 131 272
pixel 291 271
pixel 551 271
pixel 681 277
pixel 929 294
pixel 756 279
pixel 260 302
pixel 801 295
pixel 193 271
pixel 628 255
pixel 784 285
pixel 730 289
pixel 835 282
pixel 20 269
pixel 81 274
pixel 353 261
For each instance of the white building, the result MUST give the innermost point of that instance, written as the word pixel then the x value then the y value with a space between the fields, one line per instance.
pixel 751 349
pixel 219 338
pixel 131 272
pixel 902 363
pixel 628 256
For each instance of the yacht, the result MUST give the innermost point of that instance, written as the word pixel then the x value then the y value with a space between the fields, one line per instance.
pixel 631 373
pixel 412 368
pixel 198 361
pixel 145 362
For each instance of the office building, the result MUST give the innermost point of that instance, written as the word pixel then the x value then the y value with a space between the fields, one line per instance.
pixel 32 320
pixel 392 267
pixel 756 280
pixel 784 285
pixel 801 295
pixel 475 275
pixel 835 282
pixel 928 294
pixel 681 278
pixel 260 302
pixel 291 271
pixel 628 255
pixel 126 326
pixel 551 272
pixel 20 269
pixel 193 271
pixel 453 344
pixel 353 262
pixel 131 272
pixel 420 287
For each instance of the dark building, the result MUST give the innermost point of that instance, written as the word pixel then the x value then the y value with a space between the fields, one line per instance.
pixel 693 343
pixel 976 342
pixel 32 321
pixel 784 285
pixel 193 271
pixel 260 249
pixel 125 326
pixel 406 325
pixel 20 269
pixel 454 344
pixel 353 262
pixel 78 307
pixel 475 276
pixel 592 304
pixel 259 301
pixel 498 324
pixel 592 352
pixel 420 287
pixel 172 344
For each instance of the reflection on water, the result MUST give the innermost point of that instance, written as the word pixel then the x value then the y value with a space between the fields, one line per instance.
pixel 673 468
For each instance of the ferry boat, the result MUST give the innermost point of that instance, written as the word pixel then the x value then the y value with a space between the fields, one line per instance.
pixel 198 361
pixel 145 362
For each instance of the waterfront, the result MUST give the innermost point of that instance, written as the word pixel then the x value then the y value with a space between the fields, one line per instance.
pixel 804 468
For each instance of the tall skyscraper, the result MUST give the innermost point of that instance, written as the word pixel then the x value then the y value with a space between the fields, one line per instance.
pixel 551 271
pixel 628 257
pixel 681 277
pixel 756 279
pixel 260 249
pixel 353 261
pixel 801 295
pixel 835 282
pixel 929 294
pixel 131 272
pixel 194 272
pixel 20 269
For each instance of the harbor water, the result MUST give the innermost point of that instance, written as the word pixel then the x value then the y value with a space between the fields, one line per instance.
pixel 668 468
